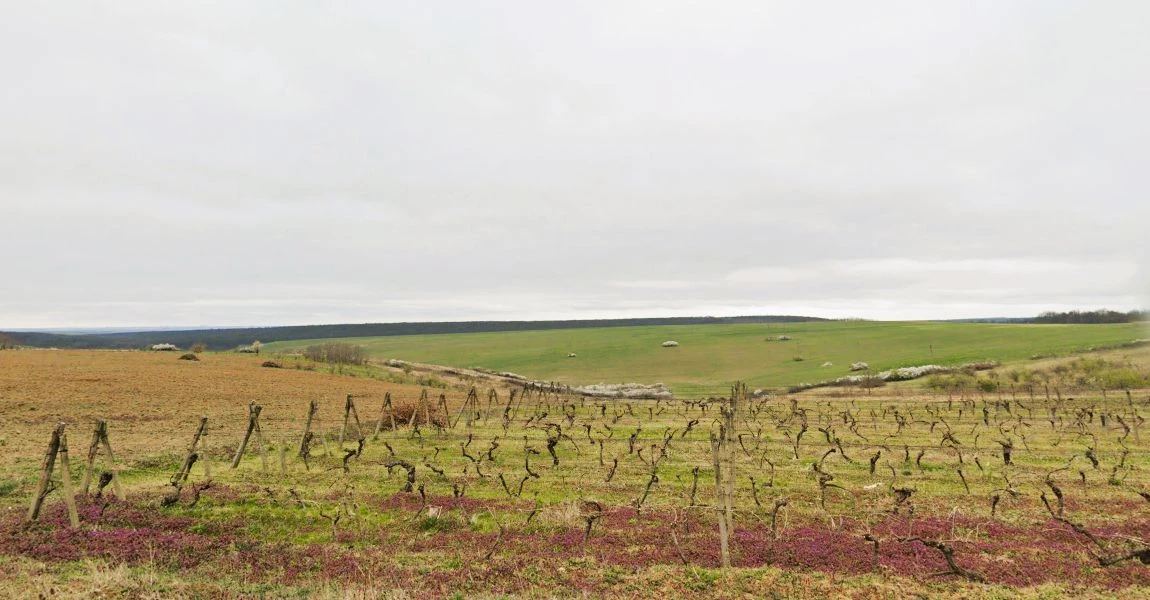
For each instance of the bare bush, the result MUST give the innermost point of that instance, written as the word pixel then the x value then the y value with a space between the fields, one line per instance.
pixel 337 353
pixel 406 414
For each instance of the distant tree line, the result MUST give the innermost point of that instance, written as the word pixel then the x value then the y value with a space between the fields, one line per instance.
pixel 226 339
pixel 1093 316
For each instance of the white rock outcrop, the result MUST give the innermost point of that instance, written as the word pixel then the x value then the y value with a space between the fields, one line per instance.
pixel 655 391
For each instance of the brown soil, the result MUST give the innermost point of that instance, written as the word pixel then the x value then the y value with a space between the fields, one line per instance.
pixel 153 402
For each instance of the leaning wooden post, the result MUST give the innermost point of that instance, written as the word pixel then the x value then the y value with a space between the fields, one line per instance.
pixel 462 408
pixel 116 487
pixel 66 480
pixel 350 411
pixel 191 457
pixel 386 411
pixel 492 398
pixel 252 412
pixel 470 406
pixel 426 409
pixel 93 449
pixel 42 488
pixel 303 443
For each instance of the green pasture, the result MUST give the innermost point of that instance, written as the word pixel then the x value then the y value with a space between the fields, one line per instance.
pixel 711 357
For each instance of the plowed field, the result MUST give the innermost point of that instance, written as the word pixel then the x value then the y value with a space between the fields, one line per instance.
pixel 152 401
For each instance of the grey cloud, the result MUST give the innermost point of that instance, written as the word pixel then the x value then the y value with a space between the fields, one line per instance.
pixel 282 162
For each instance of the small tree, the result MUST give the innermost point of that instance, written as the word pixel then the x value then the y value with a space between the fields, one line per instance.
pixel 256 346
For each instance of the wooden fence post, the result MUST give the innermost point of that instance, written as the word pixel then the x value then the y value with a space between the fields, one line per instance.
pixel 349 411
pixel 492 399
pixel 191 457
pixel 303 443
pixel 116 487
pixel 57 441
pixel 738 395
pixel 385 411
pixel 720 498
pixel 470 404
pixel 446 413
pixel 46 469
pixel 253 414
pixel 426 409
pixel 93 449
pixel 66 480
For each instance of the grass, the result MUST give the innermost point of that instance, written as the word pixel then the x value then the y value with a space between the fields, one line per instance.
pixel 710 357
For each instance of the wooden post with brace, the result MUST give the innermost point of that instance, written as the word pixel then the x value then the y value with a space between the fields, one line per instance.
pixel 66 479
pixel 253 427
pixel 385 412
pixel 100 440
pixel 192 456
pixel 349 412
pixel 57 450
pixel 305 441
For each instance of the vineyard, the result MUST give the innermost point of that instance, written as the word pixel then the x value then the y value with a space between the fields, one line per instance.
pixel 223 478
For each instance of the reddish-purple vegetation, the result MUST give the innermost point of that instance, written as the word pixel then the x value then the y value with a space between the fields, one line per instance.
pixel 412 502
pixel 1006 553
pixel 116 531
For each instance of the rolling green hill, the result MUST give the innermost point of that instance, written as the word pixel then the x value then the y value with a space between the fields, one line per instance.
pixel 228 338
pixel 711 357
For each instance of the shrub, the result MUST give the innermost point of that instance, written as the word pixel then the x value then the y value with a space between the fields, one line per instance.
pixel 1122 378
pixel 953 381
pixel 871 382
pixel 337 353
pixel 254 348
pixel 199 347
pixel 405 413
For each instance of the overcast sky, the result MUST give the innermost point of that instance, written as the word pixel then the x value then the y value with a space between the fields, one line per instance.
pixel 260 163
